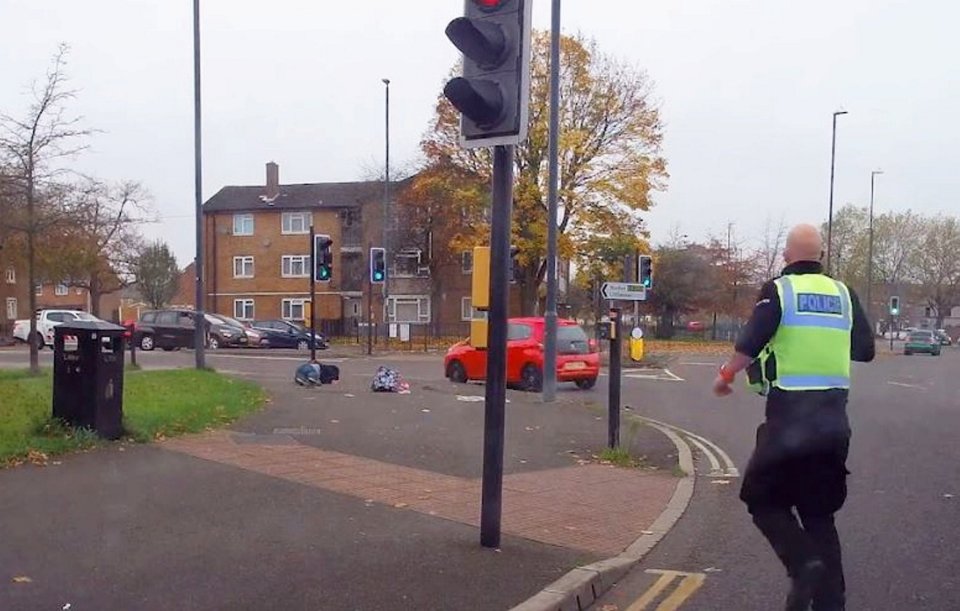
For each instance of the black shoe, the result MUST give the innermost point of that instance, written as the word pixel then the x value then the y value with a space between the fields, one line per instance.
pixel 805 585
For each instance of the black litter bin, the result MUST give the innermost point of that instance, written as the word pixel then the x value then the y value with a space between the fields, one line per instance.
pixel 88 376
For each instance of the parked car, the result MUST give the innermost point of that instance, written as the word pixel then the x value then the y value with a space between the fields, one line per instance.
pixel 254 336
pixel 172 329
pixel 577 358
pixel 46 321
pixel 922 341
pixel 943 337
pixel 287 334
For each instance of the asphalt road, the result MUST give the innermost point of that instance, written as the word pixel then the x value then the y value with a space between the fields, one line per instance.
pixel 899 527
pixel 901 524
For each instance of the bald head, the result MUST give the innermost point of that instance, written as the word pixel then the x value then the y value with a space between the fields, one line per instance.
pixel 803 244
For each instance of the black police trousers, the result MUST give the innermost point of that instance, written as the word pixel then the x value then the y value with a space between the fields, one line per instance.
pixel 797 479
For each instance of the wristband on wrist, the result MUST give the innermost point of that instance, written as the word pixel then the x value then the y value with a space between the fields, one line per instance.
pixel 726 375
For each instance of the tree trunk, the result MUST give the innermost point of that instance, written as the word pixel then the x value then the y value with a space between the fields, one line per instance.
pixel 95 295
pixel 32 278
pixel 528 292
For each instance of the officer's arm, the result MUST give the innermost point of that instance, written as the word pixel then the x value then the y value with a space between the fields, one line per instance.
pixel 758 331
pixel 862 346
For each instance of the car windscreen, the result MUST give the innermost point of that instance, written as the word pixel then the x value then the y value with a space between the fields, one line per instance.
pixel 85 316
pixel 921 337
pixel 572 340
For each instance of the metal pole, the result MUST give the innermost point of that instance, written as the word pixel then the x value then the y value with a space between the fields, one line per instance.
pixel 386 199
pixel 496 391
pixel 869 308
pixel 313 294
pixel 833 159
pixel 550 315
pixel 199 338
pixel 370 310
pixel 613 398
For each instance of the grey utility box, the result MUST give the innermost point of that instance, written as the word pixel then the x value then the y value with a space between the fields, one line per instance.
pixel 88 376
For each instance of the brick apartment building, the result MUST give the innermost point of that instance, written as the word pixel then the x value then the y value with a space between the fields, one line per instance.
pixel 257 258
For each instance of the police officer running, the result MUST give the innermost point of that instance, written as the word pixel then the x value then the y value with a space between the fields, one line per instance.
pixel 797 347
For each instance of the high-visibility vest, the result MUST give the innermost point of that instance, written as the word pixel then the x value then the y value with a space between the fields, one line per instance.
pixel 811 348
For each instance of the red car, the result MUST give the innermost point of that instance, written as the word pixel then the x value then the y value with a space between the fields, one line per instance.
pixel 577 358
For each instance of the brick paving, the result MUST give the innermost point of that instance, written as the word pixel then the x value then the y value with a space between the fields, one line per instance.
pixel 595 508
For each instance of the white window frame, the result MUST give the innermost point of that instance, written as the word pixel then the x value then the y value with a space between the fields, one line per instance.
pixel 410 254
pixel 11 308
pixel 286 266
pixel 244 309
pixel 38 289
pixel 240 224
pixel 423 307
pixel 287 305
pixel 244 261
pixel 61 290
pixel 286 223
pixel 466 262
pixel 11 275
pixel 466 308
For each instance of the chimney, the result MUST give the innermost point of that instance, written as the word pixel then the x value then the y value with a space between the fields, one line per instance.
pixel 273 181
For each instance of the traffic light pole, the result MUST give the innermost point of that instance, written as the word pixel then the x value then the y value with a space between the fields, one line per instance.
pixel 613 397
pixel 496 390
pixel 370 306
pixel 313 294
pixel 550 315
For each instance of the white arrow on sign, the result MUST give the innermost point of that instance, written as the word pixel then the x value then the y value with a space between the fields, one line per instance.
pixel 623 291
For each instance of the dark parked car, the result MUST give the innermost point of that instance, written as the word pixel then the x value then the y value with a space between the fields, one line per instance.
pixel 922 341
pixel 287 334
pixel 172 329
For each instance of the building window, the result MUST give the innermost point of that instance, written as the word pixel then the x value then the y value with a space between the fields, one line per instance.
pixel 293 309
pixel 61 289
pixel 295 222
pixel 243 267
pixel 38 289
pixel 406 264
pixel 243 309
pixel 295 266
pixel 11 275
pixel 409 308
pixel 466 262
pixel 11 308
pixel 242 224
pixel 466 308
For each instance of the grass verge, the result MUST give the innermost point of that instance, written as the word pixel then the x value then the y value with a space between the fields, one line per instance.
pixel 157 404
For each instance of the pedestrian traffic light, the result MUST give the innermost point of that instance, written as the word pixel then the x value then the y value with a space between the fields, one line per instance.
pixel 493 93
pixel 895 306
pixel 645 271
pixel 378 265
pixel 516 272
pixel 322 258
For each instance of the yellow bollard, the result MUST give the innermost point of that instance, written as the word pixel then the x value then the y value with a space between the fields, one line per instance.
pixel 636 345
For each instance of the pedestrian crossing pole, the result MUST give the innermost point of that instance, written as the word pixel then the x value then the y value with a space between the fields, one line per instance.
pixel 313 294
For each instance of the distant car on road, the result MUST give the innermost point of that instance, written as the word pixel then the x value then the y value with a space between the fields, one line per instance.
pixel 287 334
pixel 254 336
pixel 46 321
pixel 577 359
pixel 922 342
pixel 943 337
pixel 172 329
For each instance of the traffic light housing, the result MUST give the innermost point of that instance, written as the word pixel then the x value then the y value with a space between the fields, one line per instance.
pixel 322 258
pixel 645 271
pixel 895 306
pixel 493 93
pixel 378 265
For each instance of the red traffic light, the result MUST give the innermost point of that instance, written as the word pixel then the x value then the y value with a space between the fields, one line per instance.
pixel 489 5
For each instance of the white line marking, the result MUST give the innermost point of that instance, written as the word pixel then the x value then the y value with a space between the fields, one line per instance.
pixel 905 385
pixel 301 359
pixel 698 364
pixel 714 463
pixel 730 470
pixel 673 375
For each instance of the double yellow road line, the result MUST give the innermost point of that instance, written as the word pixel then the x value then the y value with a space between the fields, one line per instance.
pixel 688 584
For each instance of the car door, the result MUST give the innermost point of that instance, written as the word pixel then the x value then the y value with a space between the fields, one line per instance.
pixel 164 328
pixel 520 338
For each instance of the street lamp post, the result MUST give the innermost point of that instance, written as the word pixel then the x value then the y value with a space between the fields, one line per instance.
pixel 200 335
pixel 550 314
pixel 833 160
pixel 873 176
pixel 386 204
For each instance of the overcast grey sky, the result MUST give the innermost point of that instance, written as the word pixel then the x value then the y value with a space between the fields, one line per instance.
pixel 747 88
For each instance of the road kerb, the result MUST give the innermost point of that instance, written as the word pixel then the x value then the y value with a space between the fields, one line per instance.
pixel 581 587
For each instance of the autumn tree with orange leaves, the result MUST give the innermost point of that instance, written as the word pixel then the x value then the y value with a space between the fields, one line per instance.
pixel 610 163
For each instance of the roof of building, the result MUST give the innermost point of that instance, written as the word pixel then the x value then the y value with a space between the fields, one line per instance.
pixel 296 197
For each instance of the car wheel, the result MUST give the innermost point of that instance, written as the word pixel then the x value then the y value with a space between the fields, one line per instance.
pixel 532 378
pixel 586 384
pixel 457 373
pixel 146 343
pixel 213 343
pixel 303 345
